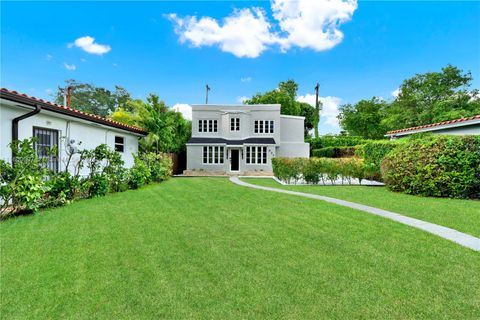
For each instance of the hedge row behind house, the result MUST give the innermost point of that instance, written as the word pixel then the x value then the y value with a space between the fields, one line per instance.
pixel 435 165
pixel 373 152
pixel 334 152
pixel 335 141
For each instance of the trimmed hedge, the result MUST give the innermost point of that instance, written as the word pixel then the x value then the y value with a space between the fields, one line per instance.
pixel 435 165
pixel 335 141
pixel 374 151
pixel 334 152
pixel 314 170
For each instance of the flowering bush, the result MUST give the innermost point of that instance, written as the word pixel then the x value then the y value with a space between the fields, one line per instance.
pixel 27 185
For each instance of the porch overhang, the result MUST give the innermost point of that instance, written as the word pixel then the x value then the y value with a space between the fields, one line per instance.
pixel 221 141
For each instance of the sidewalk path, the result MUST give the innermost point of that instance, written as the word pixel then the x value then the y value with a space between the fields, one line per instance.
pixel 461 238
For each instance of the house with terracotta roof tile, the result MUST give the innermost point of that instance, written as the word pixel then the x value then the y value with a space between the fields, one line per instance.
pixel 22 117
pixel 462 126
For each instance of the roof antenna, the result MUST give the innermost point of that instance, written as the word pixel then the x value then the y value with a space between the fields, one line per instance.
pixel 207 88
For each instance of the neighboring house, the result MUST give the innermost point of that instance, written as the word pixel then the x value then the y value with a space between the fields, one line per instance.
pixel 242 139
pixel 463 126
pixel 23 117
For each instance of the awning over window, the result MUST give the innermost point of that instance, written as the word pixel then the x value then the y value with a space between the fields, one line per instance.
pixel 199 140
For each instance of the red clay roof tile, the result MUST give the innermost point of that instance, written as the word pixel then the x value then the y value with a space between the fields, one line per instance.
pixel 92 117
pixel 435 124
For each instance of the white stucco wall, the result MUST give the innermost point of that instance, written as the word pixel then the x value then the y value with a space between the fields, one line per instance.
pixel 288 135
pixel 89 134
pixel 247 114
pixel 195 159
pixel 292 142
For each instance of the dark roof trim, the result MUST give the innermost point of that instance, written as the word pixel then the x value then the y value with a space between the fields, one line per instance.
pixel 32 101
pixel 231 142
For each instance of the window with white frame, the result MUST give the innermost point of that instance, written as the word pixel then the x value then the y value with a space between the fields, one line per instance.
pixel 256 155
pixel 213 155
pixel 207 125
pixel 234 124
pixel 264 126
pixel 119 143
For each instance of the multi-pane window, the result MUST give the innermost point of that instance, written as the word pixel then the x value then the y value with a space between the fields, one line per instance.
pixel 264 126
pixel 256 155
pixel 119 144
pixel 207 125
pixel 213 155
pixel 45 141
pixel 234 124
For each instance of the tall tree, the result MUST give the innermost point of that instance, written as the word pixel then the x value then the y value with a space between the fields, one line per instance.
pixel 431 97
pixel 89 98
pixel 423 99
pixel 364 118
pixel 286 95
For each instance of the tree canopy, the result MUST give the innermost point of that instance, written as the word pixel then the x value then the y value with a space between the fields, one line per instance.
pixel 364 118
pixel 286 95
pixel 423 99
pixel 167 130
pixel 92 99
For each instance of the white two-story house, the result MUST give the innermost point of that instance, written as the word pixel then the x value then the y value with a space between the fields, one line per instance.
pixel 242 139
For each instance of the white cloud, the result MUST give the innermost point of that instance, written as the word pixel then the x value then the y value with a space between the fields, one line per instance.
pixel 312 24
pixel 48 57
pixel 184 109
pixel 396 92
pixel 247 32
pixel 83 59
pixel 88 44
pixel 330 106
pixel 242 99
pixel 70 67
pixel 115 65
pixel 48 91
pixel 246 79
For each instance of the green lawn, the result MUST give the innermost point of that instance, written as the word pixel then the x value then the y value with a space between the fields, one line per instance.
pixel 203 248
pixel 459 214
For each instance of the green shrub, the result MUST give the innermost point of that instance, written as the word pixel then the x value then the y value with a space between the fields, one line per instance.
pixel 334 152
pixel 96 185
pixel 22 186
pixel 373 153
pixel 335 141
pixel 29 186
pixel 62 188
pixel 314 170
pixel 139 174
pixel 435 165
pixel 159 164
pixel 288 169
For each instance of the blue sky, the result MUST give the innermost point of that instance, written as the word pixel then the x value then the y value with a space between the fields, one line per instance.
pixel 143 48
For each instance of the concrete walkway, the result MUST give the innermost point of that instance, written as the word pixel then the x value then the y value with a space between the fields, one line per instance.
pixel 462 239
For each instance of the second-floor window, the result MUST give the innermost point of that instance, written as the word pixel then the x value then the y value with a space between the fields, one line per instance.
pixel 234 124
pixel 264 126
pixel 207 125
